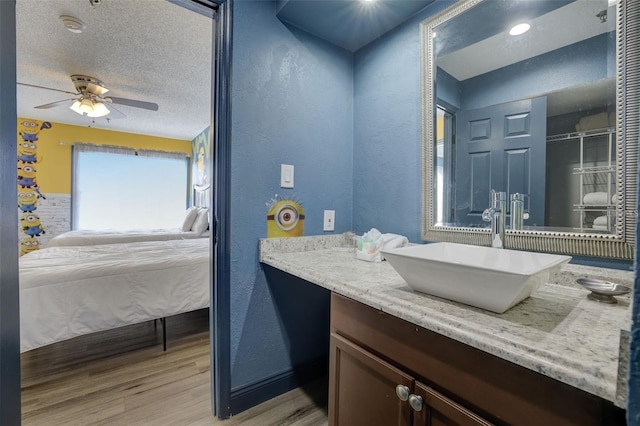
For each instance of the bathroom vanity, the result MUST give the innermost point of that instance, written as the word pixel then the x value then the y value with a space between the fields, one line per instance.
pixel 407 358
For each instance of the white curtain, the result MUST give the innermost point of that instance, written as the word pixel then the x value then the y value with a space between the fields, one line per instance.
pixel 162 154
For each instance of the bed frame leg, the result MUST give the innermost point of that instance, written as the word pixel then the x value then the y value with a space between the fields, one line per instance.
pixel 163 321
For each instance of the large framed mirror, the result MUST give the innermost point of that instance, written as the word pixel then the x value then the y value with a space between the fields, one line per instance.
pixel 551 114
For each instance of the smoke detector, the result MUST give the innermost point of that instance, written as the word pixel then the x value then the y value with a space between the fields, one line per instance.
pixel 73 24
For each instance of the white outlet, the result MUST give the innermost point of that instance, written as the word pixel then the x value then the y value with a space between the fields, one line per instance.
pixel 329 220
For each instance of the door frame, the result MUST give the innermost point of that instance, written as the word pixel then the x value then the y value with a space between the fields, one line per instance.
pixel 220 311
pixel 10 409
pixel 10 412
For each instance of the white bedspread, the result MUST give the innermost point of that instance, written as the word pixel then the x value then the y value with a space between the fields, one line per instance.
pixel 71 291
pixel 91 237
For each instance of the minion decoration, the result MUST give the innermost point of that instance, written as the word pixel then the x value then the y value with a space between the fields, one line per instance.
pixel 27 176
pixel 27 152
pixel 29 130
pixel 29 244
pixel 28 189
pixel 31 225
pixel 27 200
pixel 285 218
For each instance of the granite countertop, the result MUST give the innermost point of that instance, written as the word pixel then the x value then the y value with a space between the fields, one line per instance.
pixel 557 332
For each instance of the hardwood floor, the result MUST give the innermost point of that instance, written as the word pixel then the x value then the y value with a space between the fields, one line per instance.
pixel 122 377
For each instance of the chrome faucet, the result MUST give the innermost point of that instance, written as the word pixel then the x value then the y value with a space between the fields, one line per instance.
pixel 496 215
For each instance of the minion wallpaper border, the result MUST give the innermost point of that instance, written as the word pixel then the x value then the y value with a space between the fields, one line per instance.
pixel 28 189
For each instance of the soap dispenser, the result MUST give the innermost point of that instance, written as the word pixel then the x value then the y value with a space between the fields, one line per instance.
pixel 517 211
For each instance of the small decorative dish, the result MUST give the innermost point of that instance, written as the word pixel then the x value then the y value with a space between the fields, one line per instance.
pixel 603 291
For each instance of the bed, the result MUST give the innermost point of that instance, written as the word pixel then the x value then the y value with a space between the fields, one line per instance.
pixel 195 225
pixel 92 237
pixel 70 291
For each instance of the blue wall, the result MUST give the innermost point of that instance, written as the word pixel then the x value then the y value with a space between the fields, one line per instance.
pixel 448 90
pixel 387 131
pixel 633 408
pixel 578 64
pixel 292 103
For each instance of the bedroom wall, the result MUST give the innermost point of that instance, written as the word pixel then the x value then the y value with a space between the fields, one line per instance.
pixel 291 104
pixel 53 143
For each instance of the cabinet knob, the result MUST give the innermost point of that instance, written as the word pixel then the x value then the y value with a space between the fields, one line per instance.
pixel 415 402
pixel 403 392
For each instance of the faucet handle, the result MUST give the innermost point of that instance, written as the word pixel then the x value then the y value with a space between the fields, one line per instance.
pixel 517 196
pixel 488 214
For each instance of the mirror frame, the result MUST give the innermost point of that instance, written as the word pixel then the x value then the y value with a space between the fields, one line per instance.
pixel 619 245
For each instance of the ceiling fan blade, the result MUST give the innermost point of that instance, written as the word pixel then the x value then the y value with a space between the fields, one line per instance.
pixel 133 103
pixel 54 104
pixel 114 112
pixel 47 88
pixel 96 90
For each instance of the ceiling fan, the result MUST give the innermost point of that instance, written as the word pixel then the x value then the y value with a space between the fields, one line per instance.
pixel 90 99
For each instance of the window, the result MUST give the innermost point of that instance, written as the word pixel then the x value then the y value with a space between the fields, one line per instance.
pixel 119 188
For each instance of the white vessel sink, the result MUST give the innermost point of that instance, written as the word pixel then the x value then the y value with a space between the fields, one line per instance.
pixel 484 277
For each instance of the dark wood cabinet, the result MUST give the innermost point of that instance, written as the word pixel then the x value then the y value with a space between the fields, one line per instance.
pixel 447 382
pixel 365 388
pixel 438 410
pixel 369 391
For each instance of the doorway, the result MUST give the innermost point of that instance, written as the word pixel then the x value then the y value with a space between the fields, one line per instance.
pixel 10 410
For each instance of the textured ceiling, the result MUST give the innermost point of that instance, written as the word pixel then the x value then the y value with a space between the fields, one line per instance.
pixel 149 50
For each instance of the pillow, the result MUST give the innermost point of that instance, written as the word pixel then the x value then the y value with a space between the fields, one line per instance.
pixel 202 221
pixel 189 218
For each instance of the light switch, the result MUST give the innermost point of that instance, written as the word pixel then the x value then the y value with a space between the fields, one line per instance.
pixel 286 176
pixel 329 220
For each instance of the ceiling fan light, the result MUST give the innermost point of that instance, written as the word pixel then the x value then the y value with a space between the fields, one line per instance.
pixel 76 107
pixel 99 110
pixel 86 106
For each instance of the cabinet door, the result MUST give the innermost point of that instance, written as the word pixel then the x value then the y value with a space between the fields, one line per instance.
pixel 438 410
pixel 362 388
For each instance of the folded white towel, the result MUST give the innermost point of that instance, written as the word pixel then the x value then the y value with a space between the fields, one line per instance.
pixel 601 221
pixel 369 245
pixel 391 241
pixel 600 227
pixel 596 198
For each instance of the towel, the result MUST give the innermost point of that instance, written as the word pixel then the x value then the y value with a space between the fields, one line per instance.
pixel 596 199
pixel 596 121
pixel 601 221
pixel 369 245
pixel 600 227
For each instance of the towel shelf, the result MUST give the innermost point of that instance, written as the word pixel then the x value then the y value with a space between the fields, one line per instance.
pixel 596 173
pixel 594 207
pixel 593 170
